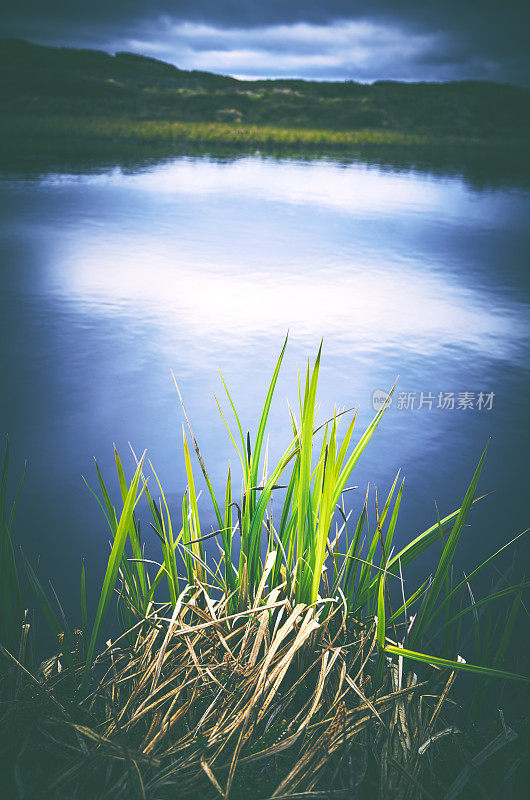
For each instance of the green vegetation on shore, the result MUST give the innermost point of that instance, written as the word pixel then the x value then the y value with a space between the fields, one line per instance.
pixel 285 651
pixel 217 133
pixel 54 94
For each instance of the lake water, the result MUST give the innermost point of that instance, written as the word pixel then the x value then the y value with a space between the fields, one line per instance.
pixel 112 279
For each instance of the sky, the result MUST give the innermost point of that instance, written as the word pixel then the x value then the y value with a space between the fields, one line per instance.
pixel 363 40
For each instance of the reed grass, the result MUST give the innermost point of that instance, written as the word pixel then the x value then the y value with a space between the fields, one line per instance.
pixel 279 701
pixel 288 659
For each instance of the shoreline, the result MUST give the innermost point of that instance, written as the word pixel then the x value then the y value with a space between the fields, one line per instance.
pixel 33 143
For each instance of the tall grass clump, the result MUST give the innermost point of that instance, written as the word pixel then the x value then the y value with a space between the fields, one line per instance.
pixel 295 651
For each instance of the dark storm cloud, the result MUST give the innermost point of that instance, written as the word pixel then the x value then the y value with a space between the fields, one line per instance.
pixel 485 39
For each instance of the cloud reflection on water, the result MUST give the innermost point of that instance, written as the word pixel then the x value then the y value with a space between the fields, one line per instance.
pixel 354 281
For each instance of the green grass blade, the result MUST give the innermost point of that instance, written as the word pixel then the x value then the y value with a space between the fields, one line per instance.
pixel 304 532
pixel 227 533
pixel 381 614
pixel 409 603
pixel 113 565
pixel 424 618
pixel 509 627
pixel 134 538
pixel 351 557
pixel 256 455
pixel 446 663
pixel 200 460
pixel 506 592
pixel 254 534
pixel 358 449
pixel 242 452
pixel 450 595
pixel 194 519
pixel 393 520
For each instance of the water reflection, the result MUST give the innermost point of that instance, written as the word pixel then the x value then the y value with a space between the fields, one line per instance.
pixel 113 279
pixel 252 247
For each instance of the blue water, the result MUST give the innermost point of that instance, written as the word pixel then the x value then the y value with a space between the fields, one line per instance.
pixel 111 280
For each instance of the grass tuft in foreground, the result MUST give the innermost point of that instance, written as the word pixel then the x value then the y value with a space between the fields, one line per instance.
pixel 286 666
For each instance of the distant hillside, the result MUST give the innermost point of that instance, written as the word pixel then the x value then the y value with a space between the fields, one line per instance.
pixel 54 84
pixel 50 79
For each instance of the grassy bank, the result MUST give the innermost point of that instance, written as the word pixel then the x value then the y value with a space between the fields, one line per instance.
pixel 33 134
pixel 286 651
pixel 158 131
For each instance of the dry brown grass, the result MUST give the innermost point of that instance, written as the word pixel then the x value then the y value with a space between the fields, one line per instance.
pixel 279 701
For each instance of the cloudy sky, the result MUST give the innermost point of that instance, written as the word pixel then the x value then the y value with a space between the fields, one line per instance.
pixel 362 40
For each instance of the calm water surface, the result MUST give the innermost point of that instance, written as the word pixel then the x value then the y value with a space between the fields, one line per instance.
pixel 112 280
